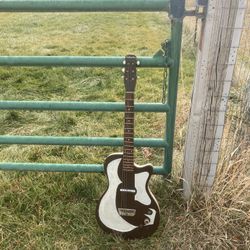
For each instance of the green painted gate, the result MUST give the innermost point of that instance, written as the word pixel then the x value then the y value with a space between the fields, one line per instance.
pixel 169 59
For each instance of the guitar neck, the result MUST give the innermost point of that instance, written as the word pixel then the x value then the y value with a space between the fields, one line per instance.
pixel 128 149
pixel 130 83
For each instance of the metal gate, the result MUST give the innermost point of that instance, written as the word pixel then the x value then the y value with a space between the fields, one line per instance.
pixel 169 58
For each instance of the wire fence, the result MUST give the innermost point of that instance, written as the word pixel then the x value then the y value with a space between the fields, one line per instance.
pixel 234 165
pixel 234 151
pixel 236 141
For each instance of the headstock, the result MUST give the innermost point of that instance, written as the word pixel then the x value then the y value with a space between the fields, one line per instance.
pixel 130 75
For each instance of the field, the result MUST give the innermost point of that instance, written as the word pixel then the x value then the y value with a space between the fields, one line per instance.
pixel 57 210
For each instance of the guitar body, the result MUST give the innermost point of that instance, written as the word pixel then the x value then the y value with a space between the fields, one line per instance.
pixel 131 213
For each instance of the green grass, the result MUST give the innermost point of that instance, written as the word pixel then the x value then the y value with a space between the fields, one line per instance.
pixel 57 210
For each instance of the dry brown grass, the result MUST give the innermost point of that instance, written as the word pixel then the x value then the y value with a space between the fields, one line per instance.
pixel 221 220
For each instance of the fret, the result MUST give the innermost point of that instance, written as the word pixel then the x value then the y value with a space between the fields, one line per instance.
pixel 128 164
pixel 128 170
pixel 128 152
pixel 128 161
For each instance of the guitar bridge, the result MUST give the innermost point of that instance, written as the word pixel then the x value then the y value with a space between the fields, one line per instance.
pixel 126 212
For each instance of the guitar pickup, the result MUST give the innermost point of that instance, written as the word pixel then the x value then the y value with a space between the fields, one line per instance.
pixel 128 190
pixel 126 212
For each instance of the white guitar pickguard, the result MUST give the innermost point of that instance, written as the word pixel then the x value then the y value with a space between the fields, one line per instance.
pixel 108 213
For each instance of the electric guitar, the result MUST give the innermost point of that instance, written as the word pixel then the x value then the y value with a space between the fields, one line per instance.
pixel 128 208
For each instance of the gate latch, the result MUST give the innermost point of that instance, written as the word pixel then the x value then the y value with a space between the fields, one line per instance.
pixel 200 10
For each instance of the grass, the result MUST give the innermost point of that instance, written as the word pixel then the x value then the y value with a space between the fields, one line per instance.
pixel 57 210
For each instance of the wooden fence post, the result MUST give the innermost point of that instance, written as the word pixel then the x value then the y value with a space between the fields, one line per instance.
pixel 219 42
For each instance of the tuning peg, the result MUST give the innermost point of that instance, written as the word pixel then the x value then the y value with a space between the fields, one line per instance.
pixel 124 62
pixel 138 63
pixel 123 70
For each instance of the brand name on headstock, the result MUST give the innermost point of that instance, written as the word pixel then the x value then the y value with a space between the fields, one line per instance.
pixel 130 74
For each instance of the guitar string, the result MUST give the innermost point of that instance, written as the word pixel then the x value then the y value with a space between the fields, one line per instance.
pixel 126 161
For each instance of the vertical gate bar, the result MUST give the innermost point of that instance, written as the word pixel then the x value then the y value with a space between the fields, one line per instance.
pixel 177 13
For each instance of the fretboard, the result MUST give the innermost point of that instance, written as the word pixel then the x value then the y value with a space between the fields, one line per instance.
pixel 128 149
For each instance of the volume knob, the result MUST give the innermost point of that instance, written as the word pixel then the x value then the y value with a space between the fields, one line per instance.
pixel 146 221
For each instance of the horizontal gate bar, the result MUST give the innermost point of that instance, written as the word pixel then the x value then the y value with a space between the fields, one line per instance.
pixel 83 5
pixel 81 61
pixel 81 106
pixel 48 167
pixel 79 141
